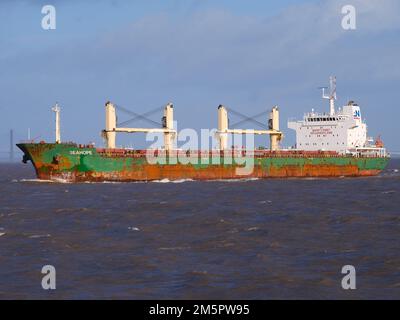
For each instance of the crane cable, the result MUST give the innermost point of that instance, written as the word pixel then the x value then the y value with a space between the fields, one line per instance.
pixel 138 116
pixel 249 119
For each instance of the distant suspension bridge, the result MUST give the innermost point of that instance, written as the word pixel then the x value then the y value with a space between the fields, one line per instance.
pixel 9 155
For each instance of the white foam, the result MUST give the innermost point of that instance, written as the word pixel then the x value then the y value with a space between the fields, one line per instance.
pixel 61 180
pixel 389 192
pixel 181 180
pixel 234 180
pixel 35 180
pixel 102 182
pixel 35 236
pixel 173 248
pixel 166 180
pixel 253 229
pixel 2 234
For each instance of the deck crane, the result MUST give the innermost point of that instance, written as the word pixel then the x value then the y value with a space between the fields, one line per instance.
pixel 272 129
pixel 166 127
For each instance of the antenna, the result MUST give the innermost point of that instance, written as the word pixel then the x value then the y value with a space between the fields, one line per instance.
pixel 332 82
pixel 332 94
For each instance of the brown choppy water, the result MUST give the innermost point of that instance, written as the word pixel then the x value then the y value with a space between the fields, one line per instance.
pixel 258 239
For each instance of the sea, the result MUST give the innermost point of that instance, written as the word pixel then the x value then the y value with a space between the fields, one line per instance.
pixel 239 239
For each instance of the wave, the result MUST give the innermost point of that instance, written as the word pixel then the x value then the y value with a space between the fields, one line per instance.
pixel 390 173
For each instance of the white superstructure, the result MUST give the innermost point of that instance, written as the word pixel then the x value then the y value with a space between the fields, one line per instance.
pixel 343 130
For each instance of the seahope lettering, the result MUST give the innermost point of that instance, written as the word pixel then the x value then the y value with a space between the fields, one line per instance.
pixel 80 152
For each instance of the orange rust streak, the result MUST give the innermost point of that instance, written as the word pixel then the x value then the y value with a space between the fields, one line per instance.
pixel 175 172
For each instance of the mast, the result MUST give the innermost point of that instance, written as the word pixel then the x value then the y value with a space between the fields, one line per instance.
pixel 332 94
pixel 57 110
pixel 111 124
pixel 274 126
pixel 168 124
pixel 222 127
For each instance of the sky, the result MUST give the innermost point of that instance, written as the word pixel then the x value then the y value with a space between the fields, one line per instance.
pixel 246 54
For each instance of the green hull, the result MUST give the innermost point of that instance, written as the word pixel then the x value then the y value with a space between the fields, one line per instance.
pixel 71 162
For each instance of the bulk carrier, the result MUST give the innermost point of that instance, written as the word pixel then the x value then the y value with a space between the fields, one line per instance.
pixel 333 144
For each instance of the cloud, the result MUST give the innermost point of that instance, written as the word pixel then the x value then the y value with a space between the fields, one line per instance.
pixel 213 56
pixel 234 47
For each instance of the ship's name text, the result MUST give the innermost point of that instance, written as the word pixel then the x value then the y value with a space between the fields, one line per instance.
pixel 80 152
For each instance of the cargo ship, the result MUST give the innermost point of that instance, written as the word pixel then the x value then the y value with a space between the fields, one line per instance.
pixel 331 144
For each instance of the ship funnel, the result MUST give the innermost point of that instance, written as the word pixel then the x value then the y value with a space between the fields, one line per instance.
pixel 111 124
pixel 222 127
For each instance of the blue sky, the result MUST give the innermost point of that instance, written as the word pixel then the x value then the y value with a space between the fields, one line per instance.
pixel 247 54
